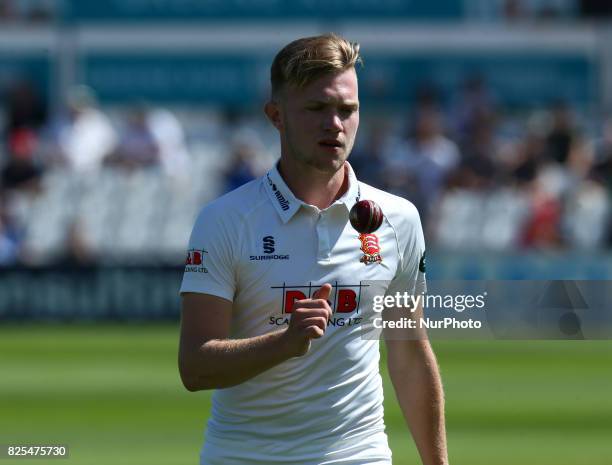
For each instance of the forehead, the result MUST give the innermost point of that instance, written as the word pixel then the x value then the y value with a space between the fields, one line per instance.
pixel 337 86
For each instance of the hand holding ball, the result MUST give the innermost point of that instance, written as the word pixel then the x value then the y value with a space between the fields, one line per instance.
pixel 366 216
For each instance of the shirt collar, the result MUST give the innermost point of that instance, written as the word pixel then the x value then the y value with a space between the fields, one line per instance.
pixel 287 204
pixel 282 198
pixel 353 193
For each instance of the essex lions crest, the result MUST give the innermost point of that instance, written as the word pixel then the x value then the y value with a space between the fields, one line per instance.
pixel 370 248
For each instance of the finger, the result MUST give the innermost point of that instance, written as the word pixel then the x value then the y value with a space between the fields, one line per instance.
pixel 319 321
pixel 323 292
pixel 315 303
pixel 318 304
pixel 303 313
pixel 314 332
pixel 311 304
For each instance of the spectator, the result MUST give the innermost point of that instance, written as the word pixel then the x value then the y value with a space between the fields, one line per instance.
pixel 10 237
pixel 76 250
pixel 542 229
pixel 138 147
pixel 602 168
pixel 602 173
pixel 21 170
pixel 423 161
pixel 24 108
pixel 480 158
pixel 170 139
pixel 368 157
pixel 474 105
pixel 84 137
pixel 245 165
pixel 562 135
pixel 528 159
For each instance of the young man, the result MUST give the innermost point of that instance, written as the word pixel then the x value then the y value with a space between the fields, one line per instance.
pixel 272 264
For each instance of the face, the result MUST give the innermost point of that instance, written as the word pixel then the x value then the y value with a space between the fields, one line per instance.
pixel 318 123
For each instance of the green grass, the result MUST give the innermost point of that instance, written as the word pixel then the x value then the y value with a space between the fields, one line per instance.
pixel 112 393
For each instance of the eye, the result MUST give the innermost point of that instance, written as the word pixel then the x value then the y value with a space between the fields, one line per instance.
pixel 314 108
pixel 347 111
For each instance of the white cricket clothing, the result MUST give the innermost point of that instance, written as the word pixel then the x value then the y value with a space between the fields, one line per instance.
pixel 262 248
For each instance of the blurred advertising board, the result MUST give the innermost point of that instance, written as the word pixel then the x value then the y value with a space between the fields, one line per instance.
pixel 89 293
pixel 151 292
pixel 517 79
pixel 198 10
pixel 176 77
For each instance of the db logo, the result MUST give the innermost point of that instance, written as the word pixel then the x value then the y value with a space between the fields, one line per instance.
pixel 346 300
pixel 194 257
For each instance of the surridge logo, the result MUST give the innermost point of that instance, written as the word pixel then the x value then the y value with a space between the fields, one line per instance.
pixel 195 261
pixel 370 248
pixel 268 245
pixel 282 201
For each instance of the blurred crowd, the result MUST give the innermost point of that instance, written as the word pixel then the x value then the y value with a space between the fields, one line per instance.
pixel 28 11
pixel 483 178
pixel 77 142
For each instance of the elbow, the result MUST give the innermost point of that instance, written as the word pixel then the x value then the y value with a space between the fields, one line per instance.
pixel 190 384
pixel 189 381
pixel 192 381
pixel 193 384
pixel 191 370
pixel 195 381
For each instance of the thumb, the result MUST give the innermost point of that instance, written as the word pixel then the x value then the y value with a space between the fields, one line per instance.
pixel 323 292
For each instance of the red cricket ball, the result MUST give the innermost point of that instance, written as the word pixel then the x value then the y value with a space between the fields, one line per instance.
pixel 366 216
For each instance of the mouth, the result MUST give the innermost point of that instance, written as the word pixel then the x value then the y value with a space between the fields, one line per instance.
pixel 331 144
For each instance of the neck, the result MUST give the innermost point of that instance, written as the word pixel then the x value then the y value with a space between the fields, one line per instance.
pixel 312 186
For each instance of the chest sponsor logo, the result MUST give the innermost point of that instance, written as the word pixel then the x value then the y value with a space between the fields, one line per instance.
pixel 370 248
pixel 345 301
pixel 195 261
pixel 269 246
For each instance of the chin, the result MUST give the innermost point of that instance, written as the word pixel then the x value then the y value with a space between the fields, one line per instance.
pixel 330 166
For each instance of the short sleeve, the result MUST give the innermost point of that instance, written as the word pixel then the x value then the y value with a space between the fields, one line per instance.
pixel 209 264
pixel 410 276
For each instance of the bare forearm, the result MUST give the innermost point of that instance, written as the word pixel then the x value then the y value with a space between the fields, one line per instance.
pixel 421 397
pixel 228 362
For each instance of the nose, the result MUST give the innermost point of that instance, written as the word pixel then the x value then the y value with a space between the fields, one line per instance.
pixel 332 123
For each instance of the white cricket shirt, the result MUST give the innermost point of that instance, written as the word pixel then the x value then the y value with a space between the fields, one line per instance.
pixel 262 248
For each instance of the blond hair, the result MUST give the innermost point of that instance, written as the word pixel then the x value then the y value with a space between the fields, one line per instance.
pixel 304 60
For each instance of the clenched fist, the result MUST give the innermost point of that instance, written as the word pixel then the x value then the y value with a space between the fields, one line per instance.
pixel 308 320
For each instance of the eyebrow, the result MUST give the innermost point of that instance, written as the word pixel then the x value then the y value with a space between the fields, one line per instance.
pixel 344 103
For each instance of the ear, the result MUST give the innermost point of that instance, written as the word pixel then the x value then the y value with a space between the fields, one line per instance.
pixel 272 111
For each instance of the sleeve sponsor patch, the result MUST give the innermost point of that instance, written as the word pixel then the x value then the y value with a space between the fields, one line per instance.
pixel 422 264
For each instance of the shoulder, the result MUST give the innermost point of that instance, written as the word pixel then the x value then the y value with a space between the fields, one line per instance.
pixel 231 210
pixel 399 212
pixel 236 204
pixel 404 220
